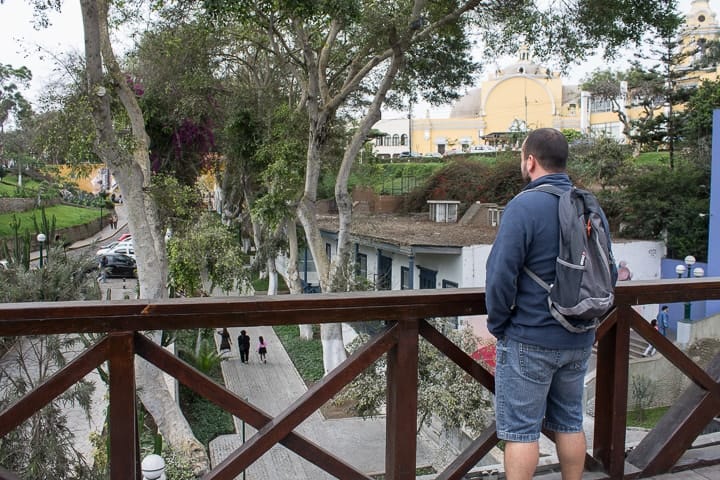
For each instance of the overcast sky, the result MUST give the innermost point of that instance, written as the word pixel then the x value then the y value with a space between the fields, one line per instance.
pixel 24 45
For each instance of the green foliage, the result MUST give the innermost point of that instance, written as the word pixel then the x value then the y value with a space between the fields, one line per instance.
pixel 656 202
pixel 178 205
pixel 470 181
pixel 650 417
pixel 306 355
pixel 205 250
pixel 62 278
pixel 444 390
pixel 206 419
pixel 388 178
pixel 207 359
pixel 600 161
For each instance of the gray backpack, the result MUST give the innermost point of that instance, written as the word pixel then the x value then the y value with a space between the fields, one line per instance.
pixel 584 285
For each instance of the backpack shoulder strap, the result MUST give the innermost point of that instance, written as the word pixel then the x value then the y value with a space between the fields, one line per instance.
pixel 547 188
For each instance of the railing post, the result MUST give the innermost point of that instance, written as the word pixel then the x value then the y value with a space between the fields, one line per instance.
pixel 402 383
pixel 123 418
pixel 613 358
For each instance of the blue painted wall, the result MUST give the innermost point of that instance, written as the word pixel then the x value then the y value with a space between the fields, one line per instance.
pixel 713 270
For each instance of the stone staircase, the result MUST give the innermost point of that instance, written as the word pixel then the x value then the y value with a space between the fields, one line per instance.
pixel 637 346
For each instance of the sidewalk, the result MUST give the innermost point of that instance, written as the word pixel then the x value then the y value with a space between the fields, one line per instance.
pixel 272 387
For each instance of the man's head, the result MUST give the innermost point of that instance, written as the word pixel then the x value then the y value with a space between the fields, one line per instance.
pixel 544 151
pixel 665 308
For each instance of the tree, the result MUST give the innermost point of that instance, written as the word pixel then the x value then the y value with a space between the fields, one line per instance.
pixel 122 143
pixel 696 122
pixel 349 54
pixel 12 102
pixel 659 204
pixel 444 390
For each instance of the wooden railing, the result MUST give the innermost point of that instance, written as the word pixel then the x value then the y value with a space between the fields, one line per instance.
pixel 404 313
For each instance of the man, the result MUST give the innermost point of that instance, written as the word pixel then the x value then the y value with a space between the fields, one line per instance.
pixel 663 320
pixel 244 346
pixel 539 377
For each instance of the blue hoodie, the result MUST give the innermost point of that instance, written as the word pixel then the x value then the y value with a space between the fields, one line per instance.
pixel 528 236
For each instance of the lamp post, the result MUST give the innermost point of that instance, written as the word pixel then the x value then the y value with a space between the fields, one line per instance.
pixel 41 239
pixel 683 327
pixel 101 205
pixel 696 272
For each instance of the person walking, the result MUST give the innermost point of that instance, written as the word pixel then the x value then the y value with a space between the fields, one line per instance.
pixel 244 346
pixel 663 321
pixel 262 349
pixel 224 341
pixel 541 366
pixel 650 349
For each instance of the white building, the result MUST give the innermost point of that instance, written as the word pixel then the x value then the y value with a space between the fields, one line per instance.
pixel 395 252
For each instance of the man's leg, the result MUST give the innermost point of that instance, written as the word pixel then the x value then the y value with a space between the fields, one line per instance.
pixel 571 453
pixel 521 459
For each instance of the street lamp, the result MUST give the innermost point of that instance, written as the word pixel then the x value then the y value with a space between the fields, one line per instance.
pixel 153 468
pixel 696 272
pixel 41 239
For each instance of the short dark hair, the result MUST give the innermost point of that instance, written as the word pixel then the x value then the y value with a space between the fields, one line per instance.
pixel 550 147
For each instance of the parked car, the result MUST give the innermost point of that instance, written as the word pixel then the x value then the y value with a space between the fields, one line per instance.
pixel 115 246
pixel 124 236
pixel 119 265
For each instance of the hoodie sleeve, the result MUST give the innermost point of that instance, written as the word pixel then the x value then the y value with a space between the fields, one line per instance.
pixel 503 267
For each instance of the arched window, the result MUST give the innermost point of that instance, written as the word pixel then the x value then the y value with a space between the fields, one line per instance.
pixel 379 141
pixel 396 140
pixel 387 141
pixel 403 139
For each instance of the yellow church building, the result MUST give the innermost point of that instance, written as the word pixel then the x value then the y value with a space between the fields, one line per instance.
pixel 527 95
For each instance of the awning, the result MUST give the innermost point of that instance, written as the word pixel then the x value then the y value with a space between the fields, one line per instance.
pixel 440 141
pixel 465 141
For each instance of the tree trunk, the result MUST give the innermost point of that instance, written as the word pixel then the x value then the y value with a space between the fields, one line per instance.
pixel 132 172
pixel 292 278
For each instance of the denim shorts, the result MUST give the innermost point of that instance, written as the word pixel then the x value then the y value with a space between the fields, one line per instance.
pixel 535 384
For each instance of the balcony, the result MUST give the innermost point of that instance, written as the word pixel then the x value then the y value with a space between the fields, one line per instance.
pixel 662 450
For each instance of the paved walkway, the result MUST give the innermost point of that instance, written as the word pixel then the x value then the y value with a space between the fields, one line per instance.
pixel 272 387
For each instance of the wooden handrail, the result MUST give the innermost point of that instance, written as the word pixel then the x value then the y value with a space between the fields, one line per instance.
pixel 404 312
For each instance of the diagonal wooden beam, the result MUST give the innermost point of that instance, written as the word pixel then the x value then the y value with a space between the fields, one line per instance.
pixel 23 408
pixel 471 455
pixel 237 406
pixel 678 428
pixel 280 426
pixel 457 355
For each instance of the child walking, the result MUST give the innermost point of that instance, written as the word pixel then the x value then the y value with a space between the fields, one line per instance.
pixel 262 349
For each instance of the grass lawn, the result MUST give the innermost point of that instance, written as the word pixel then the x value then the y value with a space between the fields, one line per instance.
pixel 8 186
pixel 65 216
pixel 648 420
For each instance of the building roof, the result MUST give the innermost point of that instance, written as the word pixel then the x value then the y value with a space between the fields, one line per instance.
pixel 414 230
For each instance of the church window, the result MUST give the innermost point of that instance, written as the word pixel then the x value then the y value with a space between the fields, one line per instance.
pixel 395 140
pixel 403 139
pixel 701 18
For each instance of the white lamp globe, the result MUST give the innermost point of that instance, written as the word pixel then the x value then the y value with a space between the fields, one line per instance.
pixel 153 467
